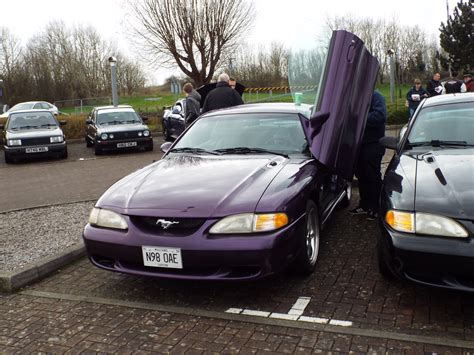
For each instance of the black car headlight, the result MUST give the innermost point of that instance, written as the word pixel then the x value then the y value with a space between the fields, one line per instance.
pixel 14 142
pixel 104 136
pixel 425 223
pixel 56 139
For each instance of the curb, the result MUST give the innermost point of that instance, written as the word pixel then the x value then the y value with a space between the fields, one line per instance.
pixel 12 281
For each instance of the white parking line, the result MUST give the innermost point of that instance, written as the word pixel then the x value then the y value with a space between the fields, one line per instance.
pixel 295 314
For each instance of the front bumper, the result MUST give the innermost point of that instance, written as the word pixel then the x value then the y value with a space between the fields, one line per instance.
pixel 244 257
pixel 109 145
pixel 20 151
pixel 433 261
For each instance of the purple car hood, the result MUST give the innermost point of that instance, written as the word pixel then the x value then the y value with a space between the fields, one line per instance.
pixel 194 186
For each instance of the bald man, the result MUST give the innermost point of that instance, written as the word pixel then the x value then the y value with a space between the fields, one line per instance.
pixel 222 96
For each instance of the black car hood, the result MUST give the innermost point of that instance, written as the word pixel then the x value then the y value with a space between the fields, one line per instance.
pixel 121 128
pixel 445 183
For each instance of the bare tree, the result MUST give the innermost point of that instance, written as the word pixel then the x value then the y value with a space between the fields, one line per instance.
pixel 195 35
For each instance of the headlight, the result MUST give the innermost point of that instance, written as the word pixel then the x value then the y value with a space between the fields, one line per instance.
pixel 425 223
pixel 103 136
pixel 107 219
pixel 56 139
pixel 249 223
pixel 146 133
pixel 140 134
pixel 14 142
pixel 111 136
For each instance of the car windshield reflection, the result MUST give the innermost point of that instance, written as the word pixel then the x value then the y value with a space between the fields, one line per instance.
pixel 20 121
pixel 107 117
pixel 444 125
pixel 246 134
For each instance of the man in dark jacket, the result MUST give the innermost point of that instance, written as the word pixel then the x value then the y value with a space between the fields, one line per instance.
pixel 222 96
pixel 193 104
pixel 454 85
pixel 415 96
pixel 370 158
pixel 434 86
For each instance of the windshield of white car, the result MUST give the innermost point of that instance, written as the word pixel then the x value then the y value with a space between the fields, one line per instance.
pixel 443 126
pixel 18 121
pixel 22 106
pixel 117 117
pixel 273 133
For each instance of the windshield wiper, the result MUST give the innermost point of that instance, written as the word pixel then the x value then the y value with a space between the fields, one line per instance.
pixel 26 127
pixel 441 143
pixel 132 121
pixel 246 150
pixel 193 150
pixel 48 125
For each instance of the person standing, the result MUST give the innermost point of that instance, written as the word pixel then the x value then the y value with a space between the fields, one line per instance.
pixel 415 96
pixel 192 104
pixel 370 158
pixel 454 85
pixel 469 82
pixel 222 96
pixel 434 86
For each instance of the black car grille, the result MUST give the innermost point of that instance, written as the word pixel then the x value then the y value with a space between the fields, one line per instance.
pixel 124 135
pixel 35 141
pixel 167 226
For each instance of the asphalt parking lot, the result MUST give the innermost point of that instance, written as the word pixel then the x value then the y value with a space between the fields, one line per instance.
pixel 345 306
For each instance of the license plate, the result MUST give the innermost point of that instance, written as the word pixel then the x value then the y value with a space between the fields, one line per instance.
pixel 36 150
pixel 126 144
pixel 162 257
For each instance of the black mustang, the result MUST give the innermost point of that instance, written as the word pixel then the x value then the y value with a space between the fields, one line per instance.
pixel 427 198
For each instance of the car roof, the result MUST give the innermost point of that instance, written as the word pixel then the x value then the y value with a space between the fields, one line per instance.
pixel 30 111
pixel 112 107
pixel 449 99
pixel 278 107
pixel 30 102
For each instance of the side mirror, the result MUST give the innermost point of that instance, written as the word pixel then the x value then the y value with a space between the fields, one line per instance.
pixel 89 121
pixel 144 119
pixel 63 122
pixel 165 147
pixel 389 142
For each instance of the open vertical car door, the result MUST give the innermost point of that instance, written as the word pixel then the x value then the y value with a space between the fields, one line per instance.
pixel 336 126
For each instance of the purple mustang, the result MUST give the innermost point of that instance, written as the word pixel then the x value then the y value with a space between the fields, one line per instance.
pixel 243 192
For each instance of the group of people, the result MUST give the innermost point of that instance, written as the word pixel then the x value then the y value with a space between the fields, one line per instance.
pixel 435 87
pixel 224 95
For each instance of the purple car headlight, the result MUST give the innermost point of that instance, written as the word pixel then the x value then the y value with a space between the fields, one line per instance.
pixel 249 223
pixel 107 219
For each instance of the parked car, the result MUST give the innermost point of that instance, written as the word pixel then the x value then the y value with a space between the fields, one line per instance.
pixel 173 123
pixel 111 128
pixel 32 105
pixel 427 198
pixel 245 191
pixel 33 133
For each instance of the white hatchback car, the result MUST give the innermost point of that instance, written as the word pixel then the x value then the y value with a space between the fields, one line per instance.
pixel 32 105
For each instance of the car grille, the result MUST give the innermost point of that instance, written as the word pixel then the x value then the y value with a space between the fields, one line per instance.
pixel 124 135
pixel 35 141
pixel 167 226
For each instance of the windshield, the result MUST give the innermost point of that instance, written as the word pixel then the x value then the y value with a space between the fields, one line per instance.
pixel 22 106
pixel 31 120
pixel 276 132
pixel 117 117
pixel 445 123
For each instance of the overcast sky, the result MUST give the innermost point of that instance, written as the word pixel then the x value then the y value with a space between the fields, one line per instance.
pixel 291 22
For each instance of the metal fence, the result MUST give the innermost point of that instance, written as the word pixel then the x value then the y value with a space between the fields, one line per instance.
pixel 83 105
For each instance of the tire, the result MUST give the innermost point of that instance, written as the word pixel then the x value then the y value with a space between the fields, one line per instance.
pixel 310 238
pixel 97 149
pixel 64 154
pixel 8 159
pixel 346 201
pixel 383 267
pixel 89 143
pixel 165 131
pixel 149 147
